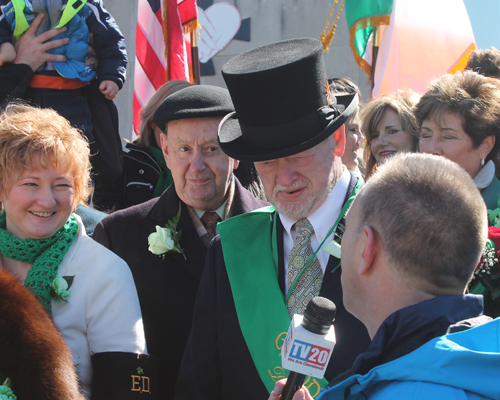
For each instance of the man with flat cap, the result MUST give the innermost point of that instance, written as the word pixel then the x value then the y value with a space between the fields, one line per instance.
pixel 164 240
pixel 258 276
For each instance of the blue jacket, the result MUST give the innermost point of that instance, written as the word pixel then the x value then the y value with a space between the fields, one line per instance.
pixel 463 365
pixel 109 43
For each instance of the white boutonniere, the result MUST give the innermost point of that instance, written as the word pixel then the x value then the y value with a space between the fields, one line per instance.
pixel 166 239
pixel 59 288
pixel 333 247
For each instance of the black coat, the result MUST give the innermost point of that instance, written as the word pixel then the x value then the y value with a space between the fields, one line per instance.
pixel 217 363
pixel 141 174
pixel 137 182
pixel 166 287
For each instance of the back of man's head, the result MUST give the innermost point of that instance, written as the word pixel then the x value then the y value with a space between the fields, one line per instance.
pixel 485 62
pixel 430 219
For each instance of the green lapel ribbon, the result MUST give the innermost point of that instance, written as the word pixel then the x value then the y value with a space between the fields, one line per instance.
pixel 255 287
pixel 165 179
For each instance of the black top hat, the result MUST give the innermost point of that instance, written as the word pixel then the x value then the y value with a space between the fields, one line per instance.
pixel 196 101
pixel 279 92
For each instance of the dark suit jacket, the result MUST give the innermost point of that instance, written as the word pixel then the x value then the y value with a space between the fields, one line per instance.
pixel 166 287
pixel 217 363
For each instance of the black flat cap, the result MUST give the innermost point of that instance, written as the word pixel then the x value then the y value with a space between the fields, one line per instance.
pixel 196 101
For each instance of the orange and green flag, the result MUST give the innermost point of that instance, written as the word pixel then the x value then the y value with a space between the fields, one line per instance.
pixel 363 18
pixel 416 41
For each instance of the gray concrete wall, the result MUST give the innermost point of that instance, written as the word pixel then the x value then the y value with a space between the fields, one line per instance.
pixel 125 14
pixel 271 20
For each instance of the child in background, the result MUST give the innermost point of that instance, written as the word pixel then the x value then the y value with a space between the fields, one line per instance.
pixel 58 85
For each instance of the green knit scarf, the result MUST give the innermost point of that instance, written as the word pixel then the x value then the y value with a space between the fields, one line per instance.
pixel 44 255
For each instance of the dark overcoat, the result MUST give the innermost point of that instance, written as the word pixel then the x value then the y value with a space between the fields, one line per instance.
pixel 166 287
pixel 217 364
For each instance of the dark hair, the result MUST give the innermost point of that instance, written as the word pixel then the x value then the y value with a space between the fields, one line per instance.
pixel 249 179
pixel 485 62
pixel 344 86
pixel 472 97
pixel 429 217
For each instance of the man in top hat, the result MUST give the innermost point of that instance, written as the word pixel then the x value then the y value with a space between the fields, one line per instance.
pixel 267 265
pixel 164 241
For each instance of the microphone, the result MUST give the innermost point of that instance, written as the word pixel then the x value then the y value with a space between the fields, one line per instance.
pixel 308 344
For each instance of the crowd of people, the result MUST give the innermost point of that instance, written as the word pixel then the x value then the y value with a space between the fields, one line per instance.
pixel 220 220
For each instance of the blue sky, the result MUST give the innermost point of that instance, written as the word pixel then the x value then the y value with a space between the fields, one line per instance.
pixel 485 19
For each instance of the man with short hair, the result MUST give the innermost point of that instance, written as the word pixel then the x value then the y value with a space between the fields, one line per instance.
pixel 414 236
pixel 204 192
pixel 267 264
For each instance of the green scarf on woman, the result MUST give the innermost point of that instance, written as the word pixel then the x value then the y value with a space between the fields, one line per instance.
pixel 44 255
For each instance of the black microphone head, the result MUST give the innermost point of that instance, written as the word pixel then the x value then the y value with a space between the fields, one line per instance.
pixel 319 315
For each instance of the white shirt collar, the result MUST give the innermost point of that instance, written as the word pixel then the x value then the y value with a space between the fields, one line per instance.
pixel 220 211
pixel 485 175
pixel 322 220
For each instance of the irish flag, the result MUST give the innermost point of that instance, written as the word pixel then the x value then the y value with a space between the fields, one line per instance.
pixel 411 42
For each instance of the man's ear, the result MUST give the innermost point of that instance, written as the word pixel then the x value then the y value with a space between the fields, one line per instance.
pixel 164 147
pixel 236 163
pixel 339 137
pixel 368 251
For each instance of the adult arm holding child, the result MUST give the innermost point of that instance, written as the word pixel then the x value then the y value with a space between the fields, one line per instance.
pixel 31 53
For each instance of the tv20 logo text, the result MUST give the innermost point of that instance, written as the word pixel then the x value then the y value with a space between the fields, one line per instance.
pixel 303 352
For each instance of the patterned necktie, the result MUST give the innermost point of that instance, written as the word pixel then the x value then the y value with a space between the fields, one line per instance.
pixel 310 282
pixel 210 220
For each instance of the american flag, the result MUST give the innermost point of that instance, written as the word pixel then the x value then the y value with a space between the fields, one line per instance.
pixel 162 47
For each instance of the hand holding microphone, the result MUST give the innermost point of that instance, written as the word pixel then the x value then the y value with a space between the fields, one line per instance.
pixel 309 344
pixel 301 394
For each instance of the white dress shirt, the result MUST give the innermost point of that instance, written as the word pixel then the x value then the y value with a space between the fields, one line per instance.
pixel 322 220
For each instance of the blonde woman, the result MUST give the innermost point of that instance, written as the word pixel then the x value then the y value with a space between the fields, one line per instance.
pixel 389 127
pixel 88 291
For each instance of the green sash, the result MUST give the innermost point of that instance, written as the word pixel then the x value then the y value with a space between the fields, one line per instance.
pixel 256 292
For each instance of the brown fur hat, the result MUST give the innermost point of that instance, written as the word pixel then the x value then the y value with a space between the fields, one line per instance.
pixel 33 353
